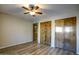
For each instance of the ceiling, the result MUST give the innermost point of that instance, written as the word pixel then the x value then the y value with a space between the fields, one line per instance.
pixel 47 9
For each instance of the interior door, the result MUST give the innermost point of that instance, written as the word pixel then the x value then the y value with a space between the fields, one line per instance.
pixel 70 34
pixel 35 32
pixel 45 33
pixel 42 33
pixel 59 33
pixel 48 32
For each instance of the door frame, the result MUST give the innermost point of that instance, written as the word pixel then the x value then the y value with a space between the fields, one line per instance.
pixel 49 22
pixel 39 31
pixel 33 31
pixel 75 31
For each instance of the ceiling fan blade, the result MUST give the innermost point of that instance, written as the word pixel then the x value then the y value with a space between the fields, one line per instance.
pixel 33 15
pixel 26 13
pixel 25 8
pixel 39 12
pixel 36 7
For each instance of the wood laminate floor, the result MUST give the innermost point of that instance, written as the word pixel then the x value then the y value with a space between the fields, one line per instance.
pixel 33 49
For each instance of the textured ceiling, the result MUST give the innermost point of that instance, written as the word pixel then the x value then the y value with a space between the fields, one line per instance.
pixel 47 9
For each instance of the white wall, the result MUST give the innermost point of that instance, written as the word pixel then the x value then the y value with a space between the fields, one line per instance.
pixel 61 16
pixel 14 30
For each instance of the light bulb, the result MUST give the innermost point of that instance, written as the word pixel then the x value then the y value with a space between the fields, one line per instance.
pixel 32 13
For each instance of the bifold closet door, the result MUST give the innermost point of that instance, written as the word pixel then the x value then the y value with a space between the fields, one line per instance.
pixel 35 32
pixel 59 33
pixel 65 33
pixel 70 33
pixel 45 33
pixel 42 33
pixel 48 32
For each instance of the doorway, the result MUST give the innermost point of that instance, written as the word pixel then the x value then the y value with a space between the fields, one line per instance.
pixel 65 34
pixel 35 32
pixel 45 33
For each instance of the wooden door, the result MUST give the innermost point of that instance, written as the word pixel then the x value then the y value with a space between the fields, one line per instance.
pixel 42 33
pixel 70 33
pixel 35 32
pixel 59 33
pixel 45 32
pixel 48 32
pixel 65 33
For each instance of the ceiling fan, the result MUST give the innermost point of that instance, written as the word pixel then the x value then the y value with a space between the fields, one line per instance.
pixel 32 9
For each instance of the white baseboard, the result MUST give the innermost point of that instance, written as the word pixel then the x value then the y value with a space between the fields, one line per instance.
pixel 13 45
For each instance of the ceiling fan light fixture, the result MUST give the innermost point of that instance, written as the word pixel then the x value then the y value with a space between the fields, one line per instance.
pixel 32 10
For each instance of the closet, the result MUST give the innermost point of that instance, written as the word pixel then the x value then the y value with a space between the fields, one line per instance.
pixel 65 33
pixel 45 32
